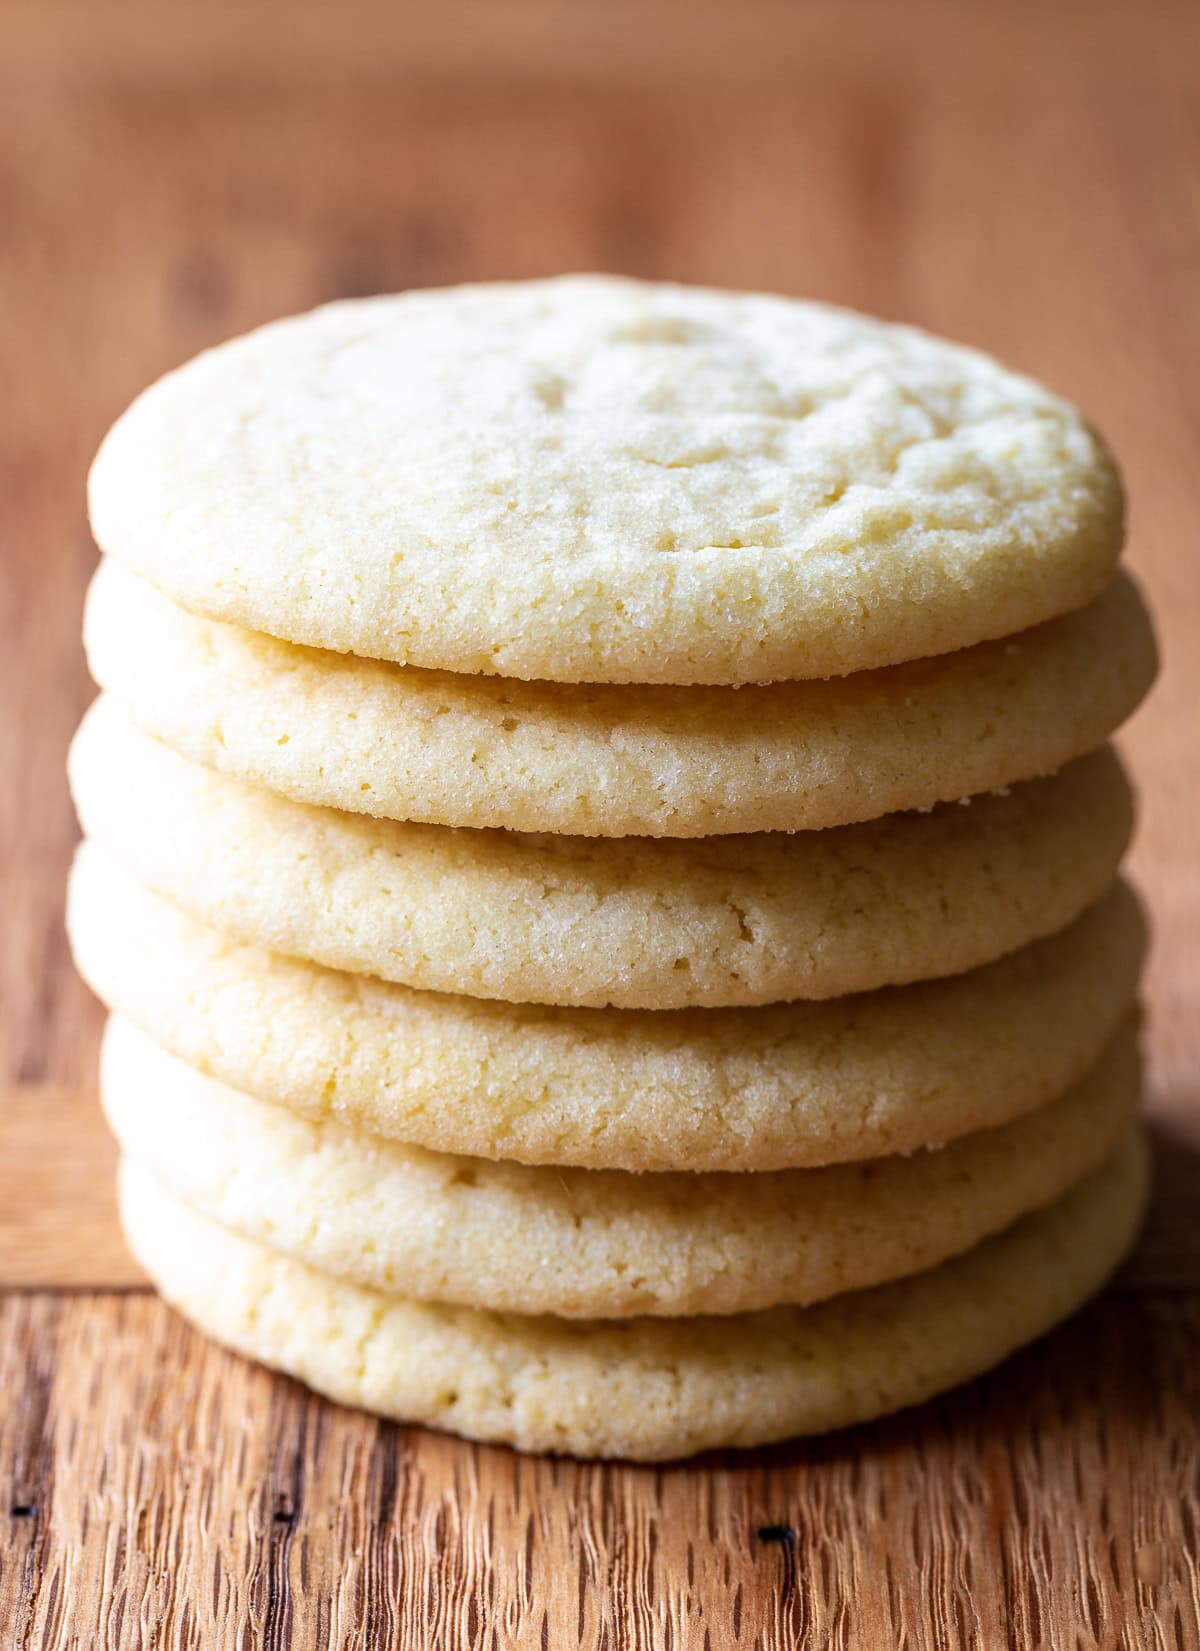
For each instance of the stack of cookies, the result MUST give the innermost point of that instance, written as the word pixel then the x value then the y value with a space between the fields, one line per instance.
pixel 602 857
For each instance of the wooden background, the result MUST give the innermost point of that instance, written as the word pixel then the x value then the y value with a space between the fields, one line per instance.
pixel 1025 177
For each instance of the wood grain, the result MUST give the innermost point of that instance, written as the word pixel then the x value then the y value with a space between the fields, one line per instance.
pixel 1022 176
pixel 210 1504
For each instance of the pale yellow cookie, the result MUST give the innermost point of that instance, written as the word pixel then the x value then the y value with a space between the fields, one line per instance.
pixel 632 922
pixel 592 1243
pixel 594 479
pixel 646 1389
pixel 724 1089
pixel 611 761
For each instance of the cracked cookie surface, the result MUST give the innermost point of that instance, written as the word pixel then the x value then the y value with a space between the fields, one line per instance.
pixel 593 1243
pixel 602 480
pixel 631 922
pixel 642 1388
pixel 715 1089
pixel 610 761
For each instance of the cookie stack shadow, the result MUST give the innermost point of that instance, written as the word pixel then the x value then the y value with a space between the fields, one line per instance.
pixel 614 1069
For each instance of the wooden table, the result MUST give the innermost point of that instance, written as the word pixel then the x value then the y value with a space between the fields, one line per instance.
pixel 1024 177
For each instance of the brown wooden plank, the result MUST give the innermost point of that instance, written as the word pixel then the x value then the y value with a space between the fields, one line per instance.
pixel 621 42
pixel 154 1486
pixel 58 1214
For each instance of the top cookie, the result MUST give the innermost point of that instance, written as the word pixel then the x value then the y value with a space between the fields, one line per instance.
pixel 593 479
